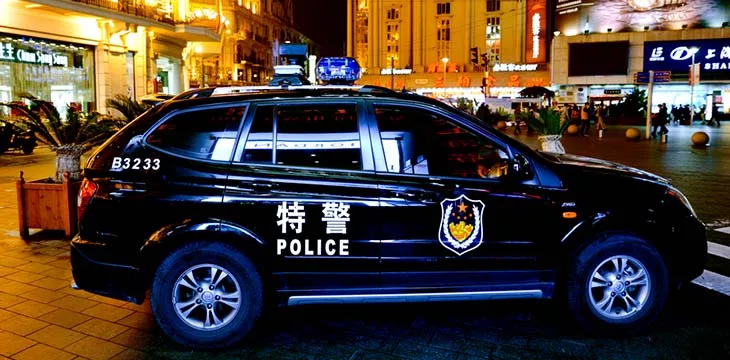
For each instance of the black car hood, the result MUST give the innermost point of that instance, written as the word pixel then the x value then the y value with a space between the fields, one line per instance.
pixel 589 163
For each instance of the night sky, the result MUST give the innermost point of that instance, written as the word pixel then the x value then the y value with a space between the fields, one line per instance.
pixel 325 22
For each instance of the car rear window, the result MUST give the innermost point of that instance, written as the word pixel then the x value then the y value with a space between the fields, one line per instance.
pixel 205 134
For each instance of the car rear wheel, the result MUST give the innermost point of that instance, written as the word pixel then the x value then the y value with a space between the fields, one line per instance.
pixel 206 295
pixel 617 285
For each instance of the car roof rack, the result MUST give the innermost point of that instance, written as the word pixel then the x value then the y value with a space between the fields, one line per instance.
pixel 362 89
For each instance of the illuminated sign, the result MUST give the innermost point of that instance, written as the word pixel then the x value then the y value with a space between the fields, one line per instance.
pixel 395 71
pixel 572 17
pixel 515 67
pixel 677 56
pixel 536 30
pixel 16 53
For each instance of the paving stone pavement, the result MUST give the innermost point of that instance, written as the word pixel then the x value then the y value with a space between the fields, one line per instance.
pixel 41 317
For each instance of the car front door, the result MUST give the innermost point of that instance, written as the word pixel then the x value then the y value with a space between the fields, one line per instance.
pixel 303 181
pixel 450 218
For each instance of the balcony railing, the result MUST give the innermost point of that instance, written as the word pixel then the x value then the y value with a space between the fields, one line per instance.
pixel 132 7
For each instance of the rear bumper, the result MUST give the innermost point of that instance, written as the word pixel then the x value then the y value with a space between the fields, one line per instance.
pixel 116 281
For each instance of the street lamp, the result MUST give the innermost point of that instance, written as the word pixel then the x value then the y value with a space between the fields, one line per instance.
pixel 445 60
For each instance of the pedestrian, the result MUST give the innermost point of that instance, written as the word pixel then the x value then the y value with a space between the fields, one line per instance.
pixel 484 114
pixel 585 119
pixel 600 116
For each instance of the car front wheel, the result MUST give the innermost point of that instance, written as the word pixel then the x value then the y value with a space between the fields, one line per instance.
pixel 206 295
pixel 617 285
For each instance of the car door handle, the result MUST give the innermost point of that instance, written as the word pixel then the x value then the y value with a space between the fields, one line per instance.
pixel 258 185
pixel 423 196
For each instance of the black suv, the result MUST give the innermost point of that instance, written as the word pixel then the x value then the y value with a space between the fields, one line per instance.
pixel 219 204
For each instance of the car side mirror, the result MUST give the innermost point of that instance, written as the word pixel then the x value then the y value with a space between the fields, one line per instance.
pixel 519 168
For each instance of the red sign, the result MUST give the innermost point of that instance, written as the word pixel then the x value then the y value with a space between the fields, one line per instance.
pixel 536 32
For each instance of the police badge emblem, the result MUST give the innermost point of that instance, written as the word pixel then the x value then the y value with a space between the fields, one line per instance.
pixel 461 224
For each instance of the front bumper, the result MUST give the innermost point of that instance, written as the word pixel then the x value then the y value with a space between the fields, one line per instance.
pixel 691 251
pixel 116 281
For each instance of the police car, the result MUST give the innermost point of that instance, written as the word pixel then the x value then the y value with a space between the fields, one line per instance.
pixel 299 196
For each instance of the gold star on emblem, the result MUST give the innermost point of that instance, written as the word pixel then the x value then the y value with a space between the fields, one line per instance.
pixel 462 207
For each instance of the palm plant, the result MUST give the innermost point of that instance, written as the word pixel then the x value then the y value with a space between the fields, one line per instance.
pixel 128 107
pixel 69 138
pixel 548 124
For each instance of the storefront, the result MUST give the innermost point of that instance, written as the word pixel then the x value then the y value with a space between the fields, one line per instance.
pixel 503 82
pixel 58 71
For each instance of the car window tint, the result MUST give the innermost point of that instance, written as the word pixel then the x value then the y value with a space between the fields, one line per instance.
pixel 207 134
pixel 260 137
pixel 421 142
pixel 318 135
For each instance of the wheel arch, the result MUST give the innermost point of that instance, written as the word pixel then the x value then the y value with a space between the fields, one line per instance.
pixel 165 240
pixel 607 223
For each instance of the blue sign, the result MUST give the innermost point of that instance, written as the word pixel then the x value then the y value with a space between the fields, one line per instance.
pixel 338 68
pixel 676 56
pixel 659 76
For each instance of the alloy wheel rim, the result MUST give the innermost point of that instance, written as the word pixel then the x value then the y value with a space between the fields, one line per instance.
pixel 206 297
pixel 619 287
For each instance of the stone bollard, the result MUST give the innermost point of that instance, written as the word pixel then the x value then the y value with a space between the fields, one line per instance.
pixel 572 129
pixel 632 134
pixel 700 138
pixel 501 125
pixel 663 139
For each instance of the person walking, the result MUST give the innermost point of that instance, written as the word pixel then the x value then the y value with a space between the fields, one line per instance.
pixel 585 119
pixel 600 116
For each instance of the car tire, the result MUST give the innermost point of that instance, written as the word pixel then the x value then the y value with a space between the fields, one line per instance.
pixel 184 313
pixel 617 307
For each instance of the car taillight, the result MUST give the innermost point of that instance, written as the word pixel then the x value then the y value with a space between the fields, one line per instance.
pixel 88 188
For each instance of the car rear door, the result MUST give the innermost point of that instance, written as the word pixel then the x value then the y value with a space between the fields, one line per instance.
pixel 303 181
pixel 450 219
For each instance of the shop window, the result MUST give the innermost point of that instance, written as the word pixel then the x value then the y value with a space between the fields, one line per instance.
pixel 421 142
pixel 207 134
pixel 318 136
pixel 62 73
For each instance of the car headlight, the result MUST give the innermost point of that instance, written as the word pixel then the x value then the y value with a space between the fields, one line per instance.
pixel 674 192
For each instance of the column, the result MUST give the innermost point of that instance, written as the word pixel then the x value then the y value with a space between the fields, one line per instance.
pixel 101 56
pixel 350 26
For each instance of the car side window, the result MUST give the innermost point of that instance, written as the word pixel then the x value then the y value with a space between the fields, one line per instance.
pixel 207 134
pixel 421 142
pixel 312 135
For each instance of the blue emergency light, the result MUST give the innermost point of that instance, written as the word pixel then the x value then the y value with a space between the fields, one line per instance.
pixel 333 69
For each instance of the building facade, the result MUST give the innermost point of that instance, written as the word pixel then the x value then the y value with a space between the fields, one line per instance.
pixel 603 58
pixel 252 32
pixel 83 52
pixel 447 47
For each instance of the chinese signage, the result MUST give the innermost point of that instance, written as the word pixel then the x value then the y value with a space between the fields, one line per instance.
pixel 291 217
pixel 536 30
pixel 576 16
pixel 712 55
pixel 14 52
pixel 515 67
pixel 395 71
